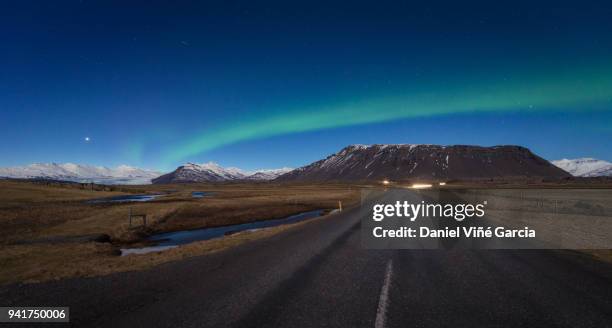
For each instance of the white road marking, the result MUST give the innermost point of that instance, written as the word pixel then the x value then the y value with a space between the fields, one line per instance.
pixel 383 300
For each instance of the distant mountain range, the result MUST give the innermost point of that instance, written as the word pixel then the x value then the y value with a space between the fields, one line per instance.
pixel 426 162
pixel 352 163
pixel 81 173
pixel 585 167
pixel 213 172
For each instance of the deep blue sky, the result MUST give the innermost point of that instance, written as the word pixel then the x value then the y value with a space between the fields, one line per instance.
pixel 156 84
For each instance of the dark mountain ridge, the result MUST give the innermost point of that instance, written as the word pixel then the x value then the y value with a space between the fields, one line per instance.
pixel 426 162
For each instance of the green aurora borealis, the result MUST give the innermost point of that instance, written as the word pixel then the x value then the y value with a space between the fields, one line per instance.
pixel 258 85
pixel 571 91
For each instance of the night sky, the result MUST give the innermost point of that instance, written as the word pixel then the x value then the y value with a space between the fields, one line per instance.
pixel 270 84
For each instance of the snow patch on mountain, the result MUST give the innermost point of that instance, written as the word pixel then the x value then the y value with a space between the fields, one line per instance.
pixel 213 172
pixel 268 174
pixel 585 167
pixel 122 174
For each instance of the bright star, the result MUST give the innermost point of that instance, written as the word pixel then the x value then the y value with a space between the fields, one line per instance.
pixel 87 139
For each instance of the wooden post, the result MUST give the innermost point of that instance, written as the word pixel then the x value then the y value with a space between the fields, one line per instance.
pixel 340 205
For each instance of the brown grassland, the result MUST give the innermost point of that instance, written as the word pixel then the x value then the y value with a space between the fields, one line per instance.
pixel 38 222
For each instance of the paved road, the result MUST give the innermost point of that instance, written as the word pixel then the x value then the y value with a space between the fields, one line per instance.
pixel 318 275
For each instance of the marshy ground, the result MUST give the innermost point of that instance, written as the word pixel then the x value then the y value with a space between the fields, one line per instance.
pixel 47 230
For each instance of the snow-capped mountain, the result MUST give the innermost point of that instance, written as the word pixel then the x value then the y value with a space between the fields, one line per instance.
pixel 81 173
pixel 425 162
pixel 268 174
pixel 585 167
pixel 213 172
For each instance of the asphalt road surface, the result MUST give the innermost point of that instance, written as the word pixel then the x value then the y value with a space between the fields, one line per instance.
pixel 318 275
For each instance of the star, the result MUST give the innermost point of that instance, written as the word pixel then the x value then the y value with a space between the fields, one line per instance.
pixel 87 139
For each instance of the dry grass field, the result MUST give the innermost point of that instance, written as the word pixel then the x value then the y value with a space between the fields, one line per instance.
pixel 41 225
